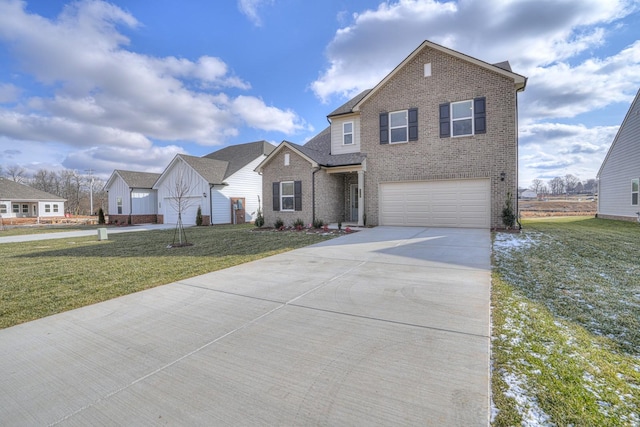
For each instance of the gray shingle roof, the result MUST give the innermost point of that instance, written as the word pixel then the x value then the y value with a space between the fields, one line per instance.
pixel 212 170
pixel 135 179
pixel 347 107
pixel 240 155
pixel 14 191
pixel 318 149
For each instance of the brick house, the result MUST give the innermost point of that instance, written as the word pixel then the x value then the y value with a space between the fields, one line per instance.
pixel 435 143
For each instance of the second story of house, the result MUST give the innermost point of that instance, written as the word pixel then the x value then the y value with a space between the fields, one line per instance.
pixel 437 102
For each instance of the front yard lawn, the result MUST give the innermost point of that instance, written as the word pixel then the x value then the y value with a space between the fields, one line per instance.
pixel 566 324
pixel 50 276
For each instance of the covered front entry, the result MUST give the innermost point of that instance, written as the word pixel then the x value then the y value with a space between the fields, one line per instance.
pixel 447 203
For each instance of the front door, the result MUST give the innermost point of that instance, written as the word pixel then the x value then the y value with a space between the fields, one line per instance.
pixel 237 210
pixel 353 202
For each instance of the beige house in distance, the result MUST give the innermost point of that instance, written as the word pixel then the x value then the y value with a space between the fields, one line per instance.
pixel 435 143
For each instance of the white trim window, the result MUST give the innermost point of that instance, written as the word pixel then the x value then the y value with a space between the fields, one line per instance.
pixel 635 185
pixel 287 196
pixel 119 205
pixel 47 208
pixel 462 118
pixel 398 126
pixel 3 209
pixel 16 208
pixel 25 209
pixel 55 207
pixel 347 133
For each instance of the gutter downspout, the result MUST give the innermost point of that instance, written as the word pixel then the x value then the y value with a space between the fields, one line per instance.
pixel 517 160
pixel 313 195
pixel 211 204
pixel 130 205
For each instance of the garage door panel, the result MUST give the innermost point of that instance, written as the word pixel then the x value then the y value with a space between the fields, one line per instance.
pixel 448 203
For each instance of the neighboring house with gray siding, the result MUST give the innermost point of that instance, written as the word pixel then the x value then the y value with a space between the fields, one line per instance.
pixel 22 201
pixel 435 143
pixel 619 175
pixel 132 199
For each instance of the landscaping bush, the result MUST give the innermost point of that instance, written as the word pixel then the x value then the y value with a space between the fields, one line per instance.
pixel 101 216
pixel 318 223
pixel 199 216
pixel 298 224
pixel 278 224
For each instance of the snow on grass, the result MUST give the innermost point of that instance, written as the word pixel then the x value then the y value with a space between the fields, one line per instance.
pixel 527 405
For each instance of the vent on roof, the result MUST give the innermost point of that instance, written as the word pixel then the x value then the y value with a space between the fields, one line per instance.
pixel 427 70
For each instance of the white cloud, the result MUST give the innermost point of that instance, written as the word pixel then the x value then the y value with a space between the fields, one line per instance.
pixel 250 9
pixel 258 115
pixel 530 34
pixel 96 92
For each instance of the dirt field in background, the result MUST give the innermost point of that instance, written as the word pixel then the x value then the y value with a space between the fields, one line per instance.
pixel 557 207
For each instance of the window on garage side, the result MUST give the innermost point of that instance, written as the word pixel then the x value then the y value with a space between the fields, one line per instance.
pixel 635 184
pixel 287 196
pixel 399 126
pixel 463 118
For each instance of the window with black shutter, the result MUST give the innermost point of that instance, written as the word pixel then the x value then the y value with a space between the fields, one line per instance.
pixel 276 196
pixel 384 128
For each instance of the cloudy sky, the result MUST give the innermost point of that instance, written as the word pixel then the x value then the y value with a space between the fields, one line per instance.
pixel 127 84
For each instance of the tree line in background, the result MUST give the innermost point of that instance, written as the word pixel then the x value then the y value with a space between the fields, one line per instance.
pixel 77 188
pixel 569 184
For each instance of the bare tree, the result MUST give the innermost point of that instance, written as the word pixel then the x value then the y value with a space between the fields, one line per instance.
pixel 590 186
pixel 17 173
pixel 570 182
pixel 536 185
pixel 556 185
pixel 179 191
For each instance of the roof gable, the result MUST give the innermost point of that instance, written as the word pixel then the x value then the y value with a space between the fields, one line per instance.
pixel 240 155
pixel 519 81
pixel 634 110
pixel 134 179
pixel 11 190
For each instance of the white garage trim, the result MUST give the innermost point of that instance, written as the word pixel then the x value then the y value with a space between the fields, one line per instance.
pixel 447 203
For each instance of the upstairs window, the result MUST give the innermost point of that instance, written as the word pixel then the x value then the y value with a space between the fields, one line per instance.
pixel 464 118
pixel 347 133
pixel 635 184
pixel 399 126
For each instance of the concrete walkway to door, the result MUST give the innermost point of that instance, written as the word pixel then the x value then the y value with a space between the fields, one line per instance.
pixel 387 326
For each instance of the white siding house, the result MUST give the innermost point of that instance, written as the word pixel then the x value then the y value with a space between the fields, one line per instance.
pixel 619 175
pixel 132 198
pixel 223 184
pixel 22 201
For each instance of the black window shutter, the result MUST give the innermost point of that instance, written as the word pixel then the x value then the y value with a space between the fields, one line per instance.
pixel 384 128
pixel 413 124
pixel 445 126
pixel 480 115
pixel 276 196
pixel 297 195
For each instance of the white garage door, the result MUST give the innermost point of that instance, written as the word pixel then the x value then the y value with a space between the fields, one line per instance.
pixel 459 203
pixel 188 213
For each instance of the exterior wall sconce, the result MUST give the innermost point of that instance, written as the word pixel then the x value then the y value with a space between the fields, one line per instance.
pixel 502 176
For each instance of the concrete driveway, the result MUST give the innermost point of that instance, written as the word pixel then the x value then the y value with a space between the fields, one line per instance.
pixel 387 326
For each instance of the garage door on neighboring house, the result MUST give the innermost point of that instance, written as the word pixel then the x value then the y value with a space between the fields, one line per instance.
pixel 450 203
pixel 188 214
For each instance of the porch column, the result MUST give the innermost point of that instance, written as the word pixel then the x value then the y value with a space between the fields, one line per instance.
pixel 360 198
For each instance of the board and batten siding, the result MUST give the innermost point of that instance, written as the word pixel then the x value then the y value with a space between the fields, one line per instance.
pixel 119 188
pixel 246 183
pixel 337 147
pixel 198 188
pixel 621 165
pixel 144 202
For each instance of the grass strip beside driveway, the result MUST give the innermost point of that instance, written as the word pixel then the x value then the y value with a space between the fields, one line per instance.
pixel 42 278
pixel 566 324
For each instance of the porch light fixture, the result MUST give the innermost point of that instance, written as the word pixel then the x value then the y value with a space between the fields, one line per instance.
pixel 502 176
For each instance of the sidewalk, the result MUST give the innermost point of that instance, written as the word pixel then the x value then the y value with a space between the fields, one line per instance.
pixel 82 233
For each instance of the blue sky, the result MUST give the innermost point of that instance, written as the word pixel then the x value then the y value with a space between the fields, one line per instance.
pixel 127 84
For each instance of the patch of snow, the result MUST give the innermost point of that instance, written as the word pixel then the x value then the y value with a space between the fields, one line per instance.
pixel 527 406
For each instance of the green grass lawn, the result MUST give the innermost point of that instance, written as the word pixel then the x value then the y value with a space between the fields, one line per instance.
pixel 566 324
pixel 51 276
